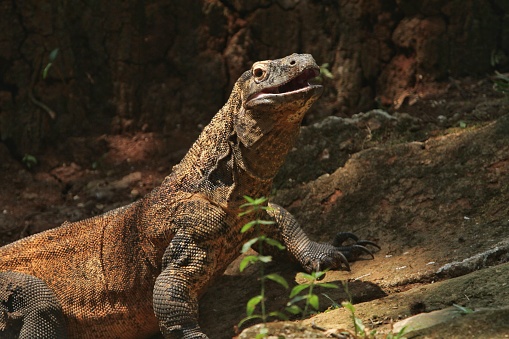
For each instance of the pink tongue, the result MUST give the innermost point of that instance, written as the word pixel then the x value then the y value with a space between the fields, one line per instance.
pixel 273 90
pixel 254 96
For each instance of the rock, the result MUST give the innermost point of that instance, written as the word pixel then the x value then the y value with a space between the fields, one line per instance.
pixel 497 254
pixel 483 323
pixel 426 320
pixel 328 144
pixel 485 292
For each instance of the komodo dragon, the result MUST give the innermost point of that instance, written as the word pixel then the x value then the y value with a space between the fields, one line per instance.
pixel 141 268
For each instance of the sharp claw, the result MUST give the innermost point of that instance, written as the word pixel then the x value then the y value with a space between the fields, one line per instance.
pixel 341 237
pixel 337 256
pixel 344 260
pixel 364 249
pixel 367 242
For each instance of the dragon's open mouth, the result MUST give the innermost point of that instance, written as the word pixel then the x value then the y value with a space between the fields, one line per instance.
pixel 298 83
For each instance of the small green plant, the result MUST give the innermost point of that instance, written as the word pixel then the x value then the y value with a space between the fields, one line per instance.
pixel 311 299
pixel 29 160
pixel 51 58
pixel 361 332
pixel 255 206
pixel 360 329
pixel 398 335
pixel 324 71
pixel 501 82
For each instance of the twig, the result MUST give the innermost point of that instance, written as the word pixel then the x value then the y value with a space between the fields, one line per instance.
pixel 31 96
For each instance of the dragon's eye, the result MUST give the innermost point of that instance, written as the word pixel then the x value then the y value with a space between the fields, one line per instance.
pixel 258 73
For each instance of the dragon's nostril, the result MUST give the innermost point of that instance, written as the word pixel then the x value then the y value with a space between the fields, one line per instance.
pixel 292 62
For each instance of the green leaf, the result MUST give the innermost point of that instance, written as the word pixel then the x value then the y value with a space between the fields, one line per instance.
pixel 264 331
pixel 254 316
pixel 318 274
pixel 463 309
pixel 46 69
pixel 29 160
pixel 248 226
pixel 297 289
pixel 265 258
pixel 253 202
pixel 274 243
pixel 241 214
pixel 400 333
pixel 297 299
pixel 293 309
pixel 250 259
pixel 259 201
pixel 265 222
pixel 324 70
pixel 327 285
pixel 348 306
pixel 248 199
pixel 247 245
pixel 277 278
pixel 308 277
pixel 251 304
pixel 53 55
pixel 313 301
pixel 326 73
pixel 359 326
pixel 252 223
pixel 268 207
pixel 278 314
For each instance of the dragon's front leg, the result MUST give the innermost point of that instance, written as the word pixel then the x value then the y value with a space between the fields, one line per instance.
pixel 315 256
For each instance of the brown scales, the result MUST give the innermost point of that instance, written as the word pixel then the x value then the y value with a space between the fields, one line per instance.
pixel 140 269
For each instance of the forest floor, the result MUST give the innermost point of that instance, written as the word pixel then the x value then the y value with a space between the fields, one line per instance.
pixel 432 233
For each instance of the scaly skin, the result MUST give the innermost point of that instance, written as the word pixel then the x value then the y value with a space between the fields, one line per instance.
pixel 141 268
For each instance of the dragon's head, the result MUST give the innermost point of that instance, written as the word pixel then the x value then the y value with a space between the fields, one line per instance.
pixel 283 85
pixel 276 92
pixel 274 97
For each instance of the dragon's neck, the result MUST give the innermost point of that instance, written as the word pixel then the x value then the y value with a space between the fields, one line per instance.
pixel 220 167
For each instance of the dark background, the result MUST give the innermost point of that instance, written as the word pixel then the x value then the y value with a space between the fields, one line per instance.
pixel 168 66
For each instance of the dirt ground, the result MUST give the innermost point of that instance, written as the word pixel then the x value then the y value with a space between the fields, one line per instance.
pixel 453 207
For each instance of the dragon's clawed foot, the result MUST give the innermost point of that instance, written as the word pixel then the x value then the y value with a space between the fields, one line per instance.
pixel 354 250
pixel 336 256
